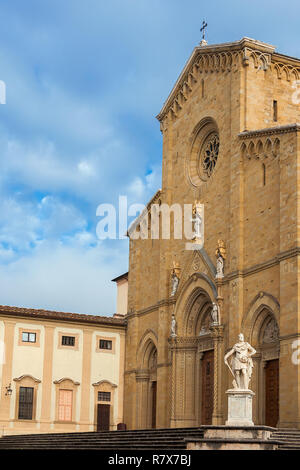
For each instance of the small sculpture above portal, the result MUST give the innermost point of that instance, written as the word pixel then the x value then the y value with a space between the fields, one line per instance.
pixel 173 326
pixel 197 221
pixel 221 256
pixel 215 314
pixel 175 277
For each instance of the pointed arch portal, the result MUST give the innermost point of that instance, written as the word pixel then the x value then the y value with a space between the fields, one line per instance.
pixel 194 355
pixel 261 324
pixel 146 378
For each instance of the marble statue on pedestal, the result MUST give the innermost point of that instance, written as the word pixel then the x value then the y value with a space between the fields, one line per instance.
pixel 241 363
pixel 240 397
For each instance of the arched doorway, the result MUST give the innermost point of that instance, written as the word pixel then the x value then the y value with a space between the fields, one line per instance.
pixel 153 386
pixel 269 348
pixel 206 365
pixel 146 378
pixel 193 356
pixel 261 328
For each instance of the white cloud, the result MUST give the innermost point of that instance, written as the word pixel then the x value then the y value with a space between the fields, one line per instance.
pixel 142 189
pixel 23 224
pixel 64 278
pixel 85 168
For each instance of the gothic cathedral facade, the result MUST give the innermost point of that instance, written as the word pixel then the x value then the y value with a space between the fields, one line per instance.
pixel 230 141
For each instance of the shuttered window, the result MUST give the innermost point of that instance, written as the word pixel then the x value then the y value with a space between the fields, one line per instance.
pixel 65 405
pixel 25 403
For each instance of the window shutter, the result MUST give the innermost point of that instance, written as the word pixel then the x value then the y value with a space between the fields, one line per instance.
pixel 65 405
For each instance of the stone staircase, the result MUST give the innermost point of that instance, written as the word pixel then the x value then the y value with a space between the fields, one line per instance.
pixel 148 439
pixel 288 439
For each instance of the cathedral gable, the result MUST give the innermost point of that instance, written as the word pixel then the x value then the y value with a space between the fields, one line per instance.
pixel 198 262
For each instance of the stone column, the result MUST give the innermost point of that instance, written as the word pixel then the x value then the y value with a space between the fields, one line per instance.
pixel 178 383
pixel 217 336
pixel 172 347
pixel 190 383
pixel 198 401
pixel 259 389
pixel 142 381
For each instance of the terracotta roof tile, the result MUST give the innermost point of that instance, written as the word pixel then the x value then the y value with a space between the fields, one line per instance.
pixel 64 316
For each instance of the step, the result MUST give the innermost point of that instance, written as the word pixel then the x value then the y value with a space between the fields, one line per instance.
pixel 95 435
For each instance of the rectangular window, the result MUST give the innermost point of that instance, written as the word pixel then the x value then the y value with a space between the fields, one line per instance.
pixel 103 396
pixel 105 344
pixel 275 111
pixel 25 403
pixel 65 405
pixel 68 340
pixel 28 337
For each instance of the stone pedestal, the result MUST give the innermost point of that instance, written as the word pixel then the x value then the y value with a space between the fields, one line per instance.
pixel 234 438
pixel 239 407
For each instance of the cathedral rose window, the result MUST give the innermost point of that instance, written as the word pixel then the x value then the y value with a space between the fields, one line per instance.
pixel 209 154
pixel 203 153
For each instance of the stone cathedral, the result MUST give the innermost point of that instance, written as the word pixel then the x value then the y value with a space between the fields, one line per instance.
pixel 230 141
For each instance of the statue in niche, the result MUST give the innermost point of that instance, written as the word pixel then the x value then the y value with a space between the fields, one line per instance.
pixel 175 278
pixel 221 256
pixel 197 222
pixel 241 363
pixel 173 326
pixel 215 314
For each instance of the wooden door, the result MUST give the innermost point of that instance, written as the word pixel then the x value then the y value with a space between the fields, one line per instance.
pixel 207 387
pixel 25 403
pixel 103 414
pixel 272 393
pixel 154 394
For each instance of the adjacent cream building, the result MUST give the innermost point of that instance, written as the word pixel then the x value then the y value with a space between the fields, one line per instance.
pixel 60 372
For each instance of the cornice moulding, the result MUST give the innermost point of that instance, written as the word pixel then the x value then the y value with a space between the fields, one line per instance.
pixel 270 131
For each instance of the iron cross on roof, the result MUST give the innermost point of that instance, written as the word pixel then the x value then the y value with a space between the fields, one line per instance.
pixel 204 25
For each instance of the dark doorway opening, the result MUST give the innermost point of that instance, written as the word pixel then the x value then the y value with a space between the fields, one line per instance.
pixel 103 417
pixel 154 395
pixel 207 387
pixel 272 392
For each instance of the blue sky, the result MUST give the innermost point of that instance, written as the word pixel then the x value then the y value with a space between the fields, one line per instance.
pixel 85 81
